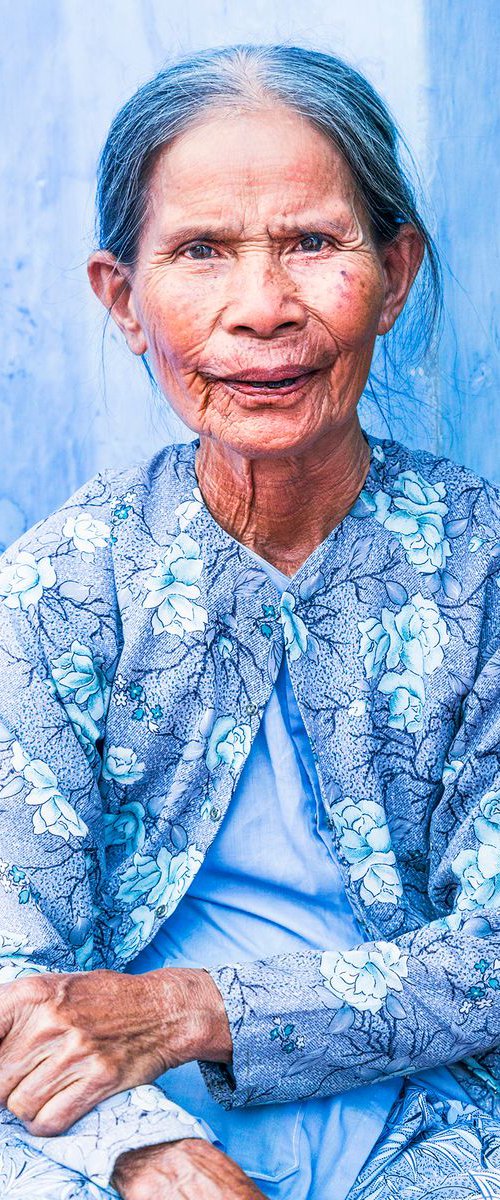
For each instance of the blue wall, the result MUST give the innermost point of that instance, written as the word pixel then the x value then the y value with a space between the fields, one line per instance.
pixel 463 48
pixel 66 68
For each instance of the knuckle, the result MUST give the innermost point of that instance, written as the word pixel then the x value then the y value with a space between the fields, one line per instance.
pixel 21 1107
pixel 102 1068
pixel 46 1127
pixel 77 1043
pixel 34 988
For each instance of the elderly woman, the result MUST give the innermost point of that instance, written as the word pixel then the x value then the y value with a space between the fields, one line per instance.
pixel 250 700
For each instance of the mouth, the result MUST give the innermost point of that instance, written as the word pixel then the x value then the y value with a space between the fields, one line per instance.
pixel 275 381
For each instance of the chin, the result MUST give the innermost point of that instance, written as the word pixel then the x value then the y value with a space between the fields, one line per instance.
pixel 266 442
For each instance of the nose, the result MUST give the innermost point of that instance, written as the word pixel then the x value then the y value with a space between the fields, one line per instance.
pixel 263 299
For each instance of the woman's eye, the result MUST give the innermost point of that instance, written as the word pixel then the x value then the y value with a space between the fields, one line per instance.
pixel 312 242
pixel 199 251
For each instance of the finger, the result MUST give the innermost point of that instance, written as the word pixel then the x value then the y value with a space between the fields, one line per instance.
pixel 7 1007
pixel 19 998
pixel 14 1071
pixel 38 1087
pixel 67 1105
pixel 21 1057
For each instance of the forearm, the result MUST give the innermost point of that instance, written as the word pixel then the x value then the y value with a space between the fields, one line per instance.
pixel 126 1123
pixel 191 1015
pixel 180 1170
pixel 111 1034
pixel 421 1012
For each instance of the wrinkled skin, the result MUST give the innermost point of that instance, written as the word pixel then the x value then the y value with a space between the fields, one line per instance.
pixel 256 255
pixel 186 1170
pixel 71 1040
pixel 255 295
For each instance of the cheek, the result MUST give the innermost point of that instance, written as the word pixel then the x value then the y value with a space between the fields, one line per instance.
pixel 177 326
pixel 177 320
pixel 350 306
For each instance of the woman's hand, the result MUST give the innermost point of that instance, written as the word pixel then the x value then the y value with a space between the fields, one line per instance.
pixel 184 1170
pixel 70 1040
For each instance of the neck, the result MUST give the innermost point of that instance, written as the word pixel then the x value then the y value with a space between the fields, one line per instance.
pixel 284 507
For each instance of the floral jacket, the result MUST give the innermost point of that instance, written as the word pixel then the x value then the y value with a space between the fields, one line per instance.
pixel 139 645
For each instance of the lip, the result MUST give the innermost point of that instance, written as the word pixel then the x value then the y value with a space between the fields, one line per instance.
pixel 273 374
pixel 249 389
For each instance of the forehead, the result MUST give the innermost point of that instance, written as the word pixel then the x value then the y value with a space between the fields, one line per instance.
pixel 268 161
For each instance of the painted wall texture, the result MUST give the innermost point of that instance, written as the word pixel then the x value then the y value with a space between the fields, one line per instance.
pixel 70 402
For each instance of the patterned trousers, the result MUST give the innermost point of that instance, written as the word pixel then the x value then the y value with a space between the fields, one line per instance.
pixel 432 1149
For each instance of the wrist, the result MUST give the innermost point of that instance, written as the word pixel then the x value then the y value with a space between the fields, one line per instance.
pixel 193 1015
pixel 130 1163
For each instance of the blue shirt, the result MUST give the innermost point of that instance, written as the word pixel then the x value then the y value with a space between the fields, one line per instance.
pixel 270 884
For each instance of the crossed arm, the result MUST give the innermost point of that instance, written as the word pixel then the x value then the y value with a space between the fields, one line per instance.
pixel 68 1041
pixel 433 1004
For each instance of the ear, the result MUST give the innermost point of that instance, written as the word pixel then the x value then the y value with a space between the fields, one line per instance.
pixel 401 261
pixel 111 282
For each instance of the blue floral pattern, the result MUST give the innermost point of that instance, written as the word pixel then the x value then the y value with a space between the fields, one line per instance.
pixel 478 868
pixel 139 646
pixel 363 979
pixel 432 1147
pixel 121 766
pixel 173 590
pixel 76 673
pixel 87 534
pixel 414 639
pixel 365 842
pixel 228 743
pixel 293 627
pixel 126 827
pixel 414 514
pixel 53 813
pixel 406 694
pixel 22 583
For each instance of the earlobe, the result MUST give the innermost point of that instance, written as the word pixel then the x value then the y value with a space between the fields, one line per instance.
pixel 110 281
pixel 401 262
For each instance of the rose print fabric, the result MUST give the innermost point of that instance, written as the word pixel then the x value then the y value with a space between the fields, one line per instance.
pixel 139 646
pixel 270 878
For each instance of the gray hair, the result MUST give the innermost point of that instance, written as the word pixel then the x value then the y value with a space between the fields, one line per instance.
pixel 334 97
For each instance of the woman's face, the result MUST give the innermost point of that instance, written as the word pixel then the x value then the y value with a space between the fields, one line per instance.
pixel 258 290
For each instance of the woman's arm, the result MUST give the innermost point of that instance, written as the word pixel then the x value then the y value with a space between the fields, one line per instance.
pixel 59 645
pixel 188 1168
pixel 69 1041
pixel 317 1024
pixel 354 1017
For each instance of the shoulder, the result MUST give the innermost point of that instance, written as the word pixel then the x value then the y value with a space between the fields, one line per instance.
pixel 85 527
pixel 446 516
pixel 61 576
pixel 452 481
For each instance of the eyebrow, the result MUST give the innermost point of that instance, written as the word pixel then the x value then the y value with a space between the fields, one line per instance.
pixel 199 233
pixel 284 228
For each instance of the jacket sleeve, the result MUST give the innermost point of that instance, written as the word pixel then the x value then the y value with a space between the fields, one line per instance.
pixel 59 645
pixel 318 1024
